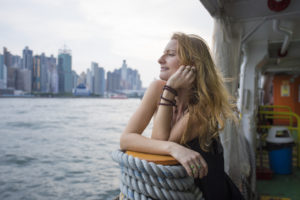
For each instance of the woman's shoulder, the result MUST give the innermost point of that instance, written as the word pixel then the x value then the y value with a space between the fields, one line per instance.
pixel 157 84
pixel 156 87
pixel 154 91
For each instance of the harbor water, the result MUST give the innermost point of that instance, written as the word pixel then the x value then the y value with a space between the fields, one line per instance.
pixel 56 148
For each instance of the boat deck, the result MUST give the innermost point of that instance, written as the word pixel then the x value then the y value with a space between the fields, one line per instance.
pixel 287 187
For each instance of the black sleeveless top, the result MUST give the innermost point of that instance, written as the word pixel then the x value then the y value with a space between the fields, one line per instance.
pixel 216 185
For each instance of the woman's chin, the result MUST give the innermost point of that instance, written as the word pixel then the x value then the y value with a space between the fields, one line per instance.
pixel 163 77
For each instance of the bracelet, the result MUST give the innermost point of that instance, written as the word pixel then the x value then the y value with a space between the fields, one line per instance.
pixel 172 90
pixel 165 104
pixel 172 102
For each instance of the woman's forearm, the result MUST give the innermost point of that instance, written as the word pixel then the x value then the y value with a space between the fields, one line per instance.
pixel 137 142
pixel 186 157
pixel 162 121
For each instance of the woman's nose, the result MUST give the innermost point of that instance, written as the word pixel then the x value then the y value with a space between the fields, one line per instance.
pixel 161 60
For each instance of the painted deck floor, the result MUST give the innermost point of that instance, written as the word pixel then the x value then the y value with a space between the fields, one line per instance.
pixel 284 186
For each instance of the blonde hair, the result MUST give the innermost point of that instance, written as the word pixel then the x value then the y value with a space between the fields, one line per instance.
pixel 209 105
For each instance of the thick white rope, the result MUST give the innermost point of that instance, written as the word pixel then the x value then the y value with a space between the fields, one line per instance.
pixel 142 180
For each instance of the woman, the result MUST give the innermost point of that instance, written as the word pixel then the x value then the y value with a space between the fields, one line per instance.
pixel 190 105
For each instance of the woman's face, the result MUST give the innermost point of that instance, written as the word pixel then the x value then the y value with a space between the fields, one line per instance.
pixel 169 61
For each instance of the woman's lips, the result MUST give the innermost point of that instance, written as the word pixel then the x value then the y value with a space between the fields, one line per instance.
pixel 164 69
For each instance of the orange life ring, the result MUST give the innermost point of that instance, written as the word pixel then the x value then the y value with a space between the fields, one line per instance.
pixel 157 159
pixel 278 5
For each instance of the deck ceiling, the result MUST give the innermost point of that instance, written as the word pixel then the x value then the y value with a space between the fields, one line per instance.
pixel 250 13
pixel 245 10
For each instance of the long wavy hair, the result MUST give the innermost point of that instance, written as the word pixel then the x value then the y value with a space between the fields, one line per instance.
pixel 210 104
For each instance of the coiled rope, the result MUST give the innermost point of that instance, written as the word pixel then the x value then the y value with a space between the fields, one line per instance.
pixel 143 180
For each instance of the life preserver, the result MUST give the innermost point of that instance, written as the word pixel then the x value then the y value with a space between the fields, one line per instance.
pixel 278 5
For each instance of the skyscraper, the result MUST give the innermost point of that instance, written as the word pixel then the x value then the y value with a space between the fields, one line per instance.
pixel 89 80
pixel 75 78
pixel 82 78
pixel 44 73
pixel 113 81
pixel 11 77
pixel 16 62
pixel 7 57
pixel 124 71
pixel 65 71
pixel 130 79
pixel 24 80
pixel 27 59
pixel 36 79
pixel 52 75
pixel 99 81
pixel 3 73
pixel 1 67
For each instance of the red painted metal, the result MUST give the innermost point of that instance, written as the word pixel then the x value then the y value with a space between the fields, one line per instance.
pixel 278 5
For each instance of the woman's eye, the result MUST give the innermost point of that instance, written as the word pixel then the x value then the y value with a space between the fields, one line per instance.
pixel 171 54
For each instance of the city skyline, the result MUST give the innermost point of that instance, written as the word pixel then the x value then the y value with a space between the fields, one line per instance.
pixel 38 74
pixel 105 32
pixel 60 51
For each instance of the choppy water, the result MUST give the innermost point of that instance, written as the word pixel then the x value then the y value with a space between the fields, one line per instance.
pixel 60 148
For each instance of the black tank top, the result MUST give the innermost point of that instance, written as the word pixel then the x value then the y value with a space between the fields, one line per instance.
pixel 216 185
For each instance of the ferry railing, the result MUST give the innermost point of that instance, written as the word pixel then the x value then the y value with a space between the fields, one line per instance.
pixel 276 108
pixel 283 115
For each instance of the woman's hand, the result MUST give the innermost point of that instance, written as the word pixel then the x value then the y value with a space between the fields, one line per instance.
pixel 182 78
pixel 192 161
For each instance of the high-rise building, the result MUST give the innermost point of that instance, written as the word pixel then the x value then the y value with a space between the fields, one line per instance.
pixel 36 79
pixel 94 67
pixel 27 59
pixel 75 78
pixel 102 80
pixel 133 80
pixel 82 78
pixel 130 79
pixel 124 71
pixel 98 78
pixel 113 81
pixel 53 78
pixel 11 77
pixel 16 62
pixel 3 73
pixel 24 80
pixel 45 65
pixel 99 81
pixel 52 75
pixel 89 80
pixel 1 67
pixel 7 57
pixel 65 71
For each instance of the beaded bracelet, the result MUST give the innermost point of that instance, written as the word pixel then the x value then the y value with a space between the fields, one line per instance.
pixel 165 104
pixel 173 102
pixel 172 90
pixel 170 102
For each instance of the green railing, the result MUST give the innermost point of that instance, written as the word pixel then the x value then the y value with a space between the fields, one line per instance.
pixel 283 115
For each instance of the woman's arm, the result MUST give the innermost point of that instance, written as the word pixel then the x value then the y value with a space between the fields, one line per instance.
pixel 162 129
pixel 131 138
pixel 162 121
pixel 142 116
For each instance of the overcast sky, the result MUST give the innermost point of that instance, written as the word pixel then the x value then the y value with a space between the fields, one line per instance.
pixel 103 31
